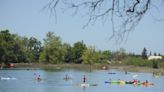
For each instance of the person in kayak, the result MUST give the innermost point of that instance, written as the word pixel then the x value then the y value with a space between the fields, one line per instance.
pixel 126 72
pixel 38 78
pixel 146 81
pixel 139 82
pixel 135 81
pixel 84 79
pixel 67 77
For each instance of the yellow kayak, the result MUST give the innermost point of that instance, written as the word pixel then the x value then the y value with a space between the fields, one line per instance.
pixel 122 82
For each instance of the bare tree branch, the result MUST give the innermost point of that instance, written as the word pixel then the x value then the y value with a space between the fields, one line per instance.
pixel 124 14
pixel 133 7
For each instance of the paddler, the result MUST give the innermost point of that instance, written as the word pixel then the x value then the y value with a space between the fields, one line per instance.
pixel 135 81
pixel 38 78
pixel 84 79
pixel 67 77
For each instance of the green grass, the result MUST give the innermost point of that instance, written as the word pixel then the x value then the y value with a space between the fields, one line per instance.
pixel 138 61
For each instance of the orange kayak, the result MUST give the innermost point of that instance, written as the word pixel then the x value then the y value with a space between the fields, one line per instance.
pixel 147 84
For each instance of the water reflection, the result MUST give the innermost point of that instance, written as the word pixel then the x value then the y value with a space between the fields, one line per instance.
pixel 156 74
pixel 70 79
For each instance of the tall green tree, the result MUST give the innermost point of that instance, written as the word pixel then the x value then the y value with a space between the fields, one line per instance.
pixel 89 55
pixel 34 49
pixel 7 47
pixel 13 48
pixel 144 53
pixel 106 54
pixel 53 50
pixel 69 54
pixel 155 54
pixel 78 50
pixel 20 49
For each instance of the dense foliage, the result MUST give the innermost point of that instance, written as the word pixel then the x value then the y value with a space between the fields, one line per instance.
pixel 17 49
pixel 14 48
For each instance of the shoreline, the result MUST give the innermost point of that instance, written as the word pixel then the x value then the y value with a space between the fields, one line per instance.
pixel 88 67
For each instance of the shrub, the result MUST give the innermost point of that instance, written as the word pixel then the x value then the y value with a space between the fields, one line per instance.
pixel 137 61
pixel 155 64
pixel 161 64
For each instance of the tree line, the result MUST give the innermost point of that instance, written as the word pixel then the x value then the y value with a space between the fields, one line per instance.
pixel 17 49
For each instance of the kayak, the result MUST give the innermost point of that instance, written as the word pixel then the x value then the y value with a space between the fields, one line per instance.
pixel 111 73
pixel 147 84
pixel 136 83
pixel 122 82
pixel 67 78
pixel 7 78
pixel 86 85
pixel 144 84
pixel 129 82
pixel 38 79
pixel 115 82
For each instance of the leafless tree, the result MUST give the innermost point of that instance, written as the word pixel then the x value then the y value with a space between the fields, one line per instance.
pixel 123 14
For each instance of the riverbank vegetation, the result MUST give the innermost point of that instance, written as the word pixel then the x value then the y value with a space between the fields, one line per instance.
pixel 17 49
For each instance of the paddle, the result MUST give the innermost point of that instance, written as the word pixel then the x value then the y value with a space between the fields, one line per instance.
pixel 107 82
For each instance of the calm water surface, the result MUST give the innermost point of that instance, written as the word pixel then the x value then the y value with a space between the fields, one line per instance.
pixel 52 81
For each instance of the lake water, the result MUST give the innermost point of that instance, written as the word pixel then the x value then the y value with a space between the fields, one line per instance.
pixel 52 81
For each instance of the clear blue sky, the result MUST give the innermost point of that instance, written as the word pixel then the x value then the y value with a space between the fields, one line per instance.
pixel 26 18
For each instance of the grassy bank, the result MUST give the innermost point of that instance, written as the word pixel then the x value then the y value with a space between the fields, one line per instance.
pixel 132 68
pixel 88 67
pixel 57 66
